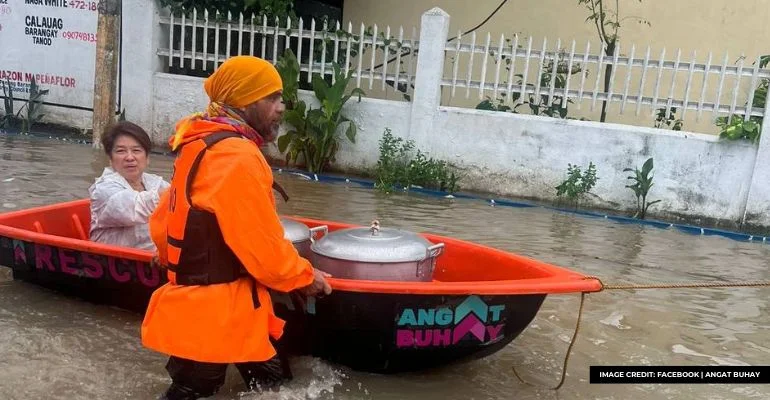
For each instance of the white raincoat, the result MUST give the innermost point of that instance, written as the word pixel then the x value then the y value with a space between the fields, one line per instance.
pixel 119 214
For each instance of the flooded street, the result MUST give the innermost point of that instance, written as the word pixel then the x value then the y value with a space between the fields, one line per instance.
pixel 56 347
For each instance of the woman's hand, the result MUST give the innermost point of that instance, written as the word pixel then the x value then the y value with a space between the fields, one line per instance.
pixel 155 262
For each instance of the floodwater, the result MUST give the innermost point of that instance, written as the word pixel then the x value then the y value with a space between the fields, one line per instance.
pixel 56 347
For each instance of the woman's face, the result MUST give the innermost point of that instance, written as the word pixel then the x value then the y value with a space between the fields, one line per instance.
pixel 128 158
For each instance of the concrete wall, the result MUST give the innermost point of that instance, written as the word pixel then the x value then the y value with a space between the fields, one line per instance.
pixel 177 96
pixel 757 212
pixel 141 36
pixel 527 156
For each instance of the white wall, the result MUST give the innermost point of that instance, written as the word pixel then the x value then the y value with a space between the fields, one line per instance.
pixel 758 200
pixel 523 155
pixel 141 36
pixel 527 156
pixel 176 96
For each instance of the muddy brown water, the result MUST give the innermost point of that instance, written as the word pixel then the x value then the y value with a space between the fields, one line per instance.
pixel 56 347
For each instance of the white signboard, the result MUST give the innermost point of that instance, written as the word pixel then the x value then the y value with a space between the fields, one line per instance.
pixel 53 41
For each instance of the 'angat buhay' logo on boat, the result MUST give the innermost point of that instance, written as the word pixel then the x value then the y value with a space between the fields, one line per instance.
pixel 439 327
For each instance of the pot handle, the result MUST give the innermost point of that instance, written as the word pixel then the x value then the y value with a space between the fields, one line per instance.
pixel 320 228
pixel 435 250
pixel 431 253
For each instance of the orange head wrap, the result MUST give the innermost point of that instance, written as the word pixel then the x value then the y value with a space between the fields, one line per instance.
pixel 238 82
pixel 242 80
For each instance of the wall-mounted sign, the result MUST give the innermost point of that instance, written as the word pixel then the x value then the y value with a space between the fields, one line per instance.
pixel 52 41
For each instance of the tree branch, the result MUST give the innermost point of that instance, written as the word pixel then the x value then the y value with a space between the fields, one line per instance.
pixel 617 22
pixel 634 17
pixel 603 33
pixel 596 19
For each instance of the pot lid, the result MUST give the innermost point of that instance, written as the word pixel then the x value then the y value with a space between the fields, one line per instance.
pixel 373 244
pixel 295 231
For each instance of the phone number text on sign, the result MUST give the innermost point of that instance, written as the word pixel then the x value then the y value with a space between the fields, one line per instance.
pixel 82 36
pixel 83 5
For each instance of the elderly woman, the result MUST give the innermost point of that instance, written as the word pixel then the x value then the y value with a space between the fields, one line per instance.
pixel 124 196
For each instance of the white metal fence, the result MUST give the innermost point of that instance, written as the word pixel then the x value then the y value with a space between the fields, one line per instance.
pixel 505 74
pixel 517 70
pixel 199 41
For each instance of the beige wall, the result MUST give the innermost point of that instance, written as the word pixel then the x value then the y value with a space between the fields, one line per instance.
pixel 738 27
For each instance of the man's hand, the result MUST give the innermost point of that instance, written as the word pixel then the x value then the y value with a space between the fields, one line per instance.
pixel 319 284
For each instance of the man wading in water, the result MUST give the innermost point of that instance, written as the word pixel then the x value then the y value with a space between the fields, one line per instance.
pixel 218 233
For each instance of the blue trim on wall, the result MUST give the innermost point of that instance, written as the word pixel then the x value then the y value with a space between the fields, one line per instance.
pixel 689 229
pixel 369 184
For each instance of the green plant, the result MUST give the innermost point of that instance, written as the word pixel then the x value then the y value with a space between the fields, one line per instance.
pixel 269 8
pixel 397 169
pixel 558 107
pixel 577 183
pixel 739 127
pixel 9 117
pixel 288 67
pixel 393 162
pixel 32 105
pixel 641 187
pixel 665 119
pixel 296 141
pixel 314 137
pixel 494 105
pixel 607 22
pixel 431 173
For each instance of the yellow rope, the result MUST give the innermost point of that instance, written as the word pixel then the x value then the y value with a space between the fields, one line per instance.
pixel 569 349
pixel 681 285
pixel 632 286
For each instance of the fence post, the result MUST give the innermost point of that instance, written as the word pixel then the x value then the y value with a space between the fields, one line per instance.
pixel 434 28
pixel 757 211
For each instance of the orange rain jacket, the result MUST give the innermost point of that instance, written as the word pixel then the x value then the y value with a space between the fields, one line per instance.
pixel 219 323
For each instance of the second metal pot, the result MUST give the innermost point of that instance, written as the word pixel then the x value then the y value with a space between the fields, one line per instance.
pixel 301 236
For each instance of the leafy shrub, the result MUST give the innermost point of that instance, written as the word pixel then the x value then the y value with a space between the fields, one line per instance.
pixel 641 187
pixel 741 128
pixel 33 106
pixel 270 8
pixel 398 169
pixel 314 138
pixel 577 183
pixel 665 119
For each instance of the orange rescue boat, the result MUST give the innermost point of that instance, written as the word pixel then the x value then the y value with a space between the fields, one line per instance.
pixel 475 302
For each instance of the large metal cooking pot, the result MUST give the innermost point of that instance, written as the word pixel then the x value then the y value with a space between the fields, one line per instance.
pixel 301 236
pixel 376 253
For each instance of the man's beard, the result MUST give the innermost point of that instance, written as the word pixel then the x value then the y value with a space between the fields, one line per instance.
pixel 268 132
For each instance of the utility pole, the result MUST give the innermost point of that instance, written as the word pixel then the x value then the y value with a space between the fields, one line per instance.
pixel 106 71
